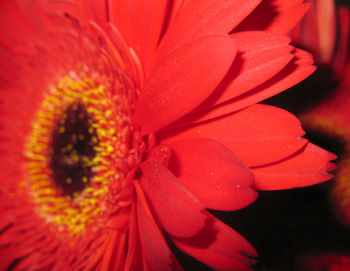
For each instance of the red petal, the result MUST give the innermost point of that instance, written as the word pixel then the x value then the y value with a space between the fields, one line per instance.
pixel 8 255
pixel 174 207
pixel 200 18
pixel 296 70
pixel 156 251
pixel 278 16
pixel 219 246
pixel 259 134
pixel 140 22
pixel 212 173
pixel 183 81
pixel 307 167
pixel 260 55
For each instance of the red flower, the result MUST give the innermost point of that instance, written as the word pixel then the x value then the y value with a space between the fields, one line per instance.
pixel 331 116
pixel 327 262
pixel 123 121
pixel 317 32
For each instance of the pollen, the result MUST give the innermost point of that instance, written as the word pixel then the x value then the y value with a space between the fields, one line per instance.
pixel 77 148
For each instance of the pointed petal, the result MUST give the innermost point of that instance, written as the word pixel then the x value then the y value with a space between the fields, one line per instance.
pixel 200 18
pixel 157 253
pixel 140 22
pixel 212 173
pixel 278 16
pixel 219 246
pixel 183 81
pixel 307 167
pixel 259 134
pixel 174 207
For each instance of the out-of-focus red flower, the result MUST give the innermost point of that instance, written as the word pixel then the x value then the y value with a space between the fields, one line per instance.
pixel 317 30
pixel 326 262
pixel 332 118
pixel 123 121
pixel 332 115
pixel 324 31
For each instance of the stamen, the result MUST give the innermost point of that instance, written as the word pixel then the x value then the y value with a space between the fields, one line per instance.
pixel 76 149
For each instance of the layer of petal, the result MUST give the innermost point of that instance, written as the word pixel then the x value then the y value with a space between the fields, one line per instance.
pixel 295 71
pixel 278 16
pixel 176 209
pixel 219 246
pixel 307 167
pixel 259 134
pixel 260 56
pixel 155 249
pixel 140 22
pixel 212 173
pixel 183 81
pixel 199 18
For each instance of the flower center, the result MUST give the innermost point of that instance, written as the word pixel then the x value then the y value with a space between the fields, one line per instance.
pixel 74 143
pixel 79 145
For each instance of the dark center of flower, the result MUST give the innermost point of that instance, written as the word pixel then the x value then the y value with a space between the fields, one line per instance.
pixel 73 149
pixel 80 144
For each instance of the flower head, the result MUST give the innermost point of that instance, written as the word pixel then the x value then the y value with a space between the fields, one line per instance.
pixel 124 121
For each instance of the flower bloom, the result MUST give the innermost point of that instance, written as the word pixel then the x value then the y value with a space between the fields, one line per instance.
pixel 324 31
pixel 331 116
pixel 124 121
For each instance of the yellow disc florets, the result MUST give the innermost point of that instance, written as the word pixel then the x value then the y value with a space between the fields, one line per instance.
pixel 78 146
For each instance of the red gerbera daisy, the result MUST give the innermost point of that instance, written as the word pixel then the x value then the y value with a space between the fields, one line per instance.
pixel 123 121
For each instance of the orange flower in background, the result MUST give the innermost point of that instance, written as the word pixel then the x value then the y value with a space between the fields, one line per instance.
pixel 124 121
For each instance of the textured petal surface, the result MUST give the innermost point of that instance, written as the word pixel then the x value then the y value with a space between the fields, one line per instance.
pixel 156 251
pixel 183 81
pixel 307 167
pixel 167 195
pixel 260 55
pixel 212 173
pixel 278 16
pixel 295 71
pixel 140 22
pixel 200 18
pixel 258 135
pixel 219 246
